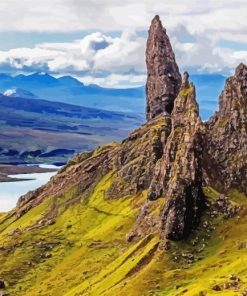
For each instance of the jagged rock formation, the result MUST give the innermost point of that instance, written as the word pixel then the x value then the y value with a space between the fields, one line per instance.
pixel 170 156
pixel 84 171
pixel 163 77
pixel 179 172
pixel 136 158
pixel 133 161
pixel 225 159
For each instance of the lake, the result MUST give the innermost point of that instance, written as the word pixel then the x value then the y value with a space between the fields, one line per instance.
pixel 11 191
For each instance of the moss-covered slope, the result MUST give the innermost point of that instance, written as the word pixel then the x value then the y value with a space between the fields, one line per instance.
pixel 84 249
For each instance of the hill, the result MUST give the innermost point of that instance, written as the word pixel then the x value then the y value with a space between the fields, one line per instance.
pixel 161 213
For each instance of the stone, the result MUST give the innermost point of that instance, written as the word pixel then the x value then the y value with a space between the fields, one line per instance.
pixel 233 277
pixel 47 255
pixel 185 80
pixel 227 285
pixel 216 288
pixel 244 293
pixel 163 77
pixel 178 174
pixel 167 246
pixel 171 156
pixel 130 236
pixel 14 231
pixel 2 284
pixel 225 150
pixel 135 160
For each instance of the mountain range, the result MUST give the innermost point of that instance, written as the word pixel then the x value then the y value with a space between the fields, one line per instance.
pixel 44 131
pixel 45 125
pixel 70 90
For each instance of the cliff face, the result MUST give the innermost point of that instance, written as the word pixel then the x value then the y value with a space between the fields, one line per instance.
pixel 179 172
pixel 226 141
pixel 137 156
pixel 163 77
pixel 171 156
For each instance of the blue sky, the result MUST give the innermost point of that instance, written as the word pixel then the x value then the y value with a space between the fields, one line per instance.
pixel 103 42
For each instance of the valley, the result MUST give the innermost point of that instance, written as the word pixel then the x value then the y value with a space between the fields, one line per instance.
pixel 39 122
pixel 39 131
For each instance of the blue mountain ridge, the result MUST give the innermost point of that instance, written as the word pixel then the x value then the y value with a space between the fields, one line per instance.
pixel 67 89
pixel 33 129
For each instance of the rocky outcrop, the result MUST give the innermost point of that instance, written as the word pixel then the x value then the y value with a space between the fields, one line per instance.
pixel 178 175
pixel 137 157
pixel 163 155
pixel 84 171
pixel 163 77
pixel 2 284
pixel 132 161
pixel 168 158
pixel 225 156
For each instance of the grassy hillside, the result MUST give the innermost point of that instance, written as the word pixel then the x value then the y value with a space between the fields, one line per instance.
pixel 75 244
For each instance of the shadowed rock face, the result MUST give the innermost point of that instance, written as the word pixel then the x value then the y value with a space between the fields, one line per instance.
pixel 164 79
pixel 225 158
pixel 179 172
pixel 137 156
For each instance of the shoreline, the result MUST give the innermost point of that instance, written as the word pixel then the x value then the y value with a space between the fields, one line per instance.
pixel 6 170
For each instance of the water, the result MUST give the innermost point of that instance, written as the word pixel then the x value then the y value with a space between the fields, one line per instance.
pixel 11 191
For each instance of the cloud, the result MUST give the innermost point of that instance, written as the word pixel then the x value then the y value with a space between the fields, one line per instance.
pixel 116 80
pixel 118 61
pixel 96 57
pixel 223 18
pixel 109 59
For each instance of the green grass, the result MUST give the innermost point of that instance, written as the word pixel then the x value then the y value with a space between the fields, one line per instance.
pixel 184 92
pixel 86 237
pixel 85 252
pixel 211 193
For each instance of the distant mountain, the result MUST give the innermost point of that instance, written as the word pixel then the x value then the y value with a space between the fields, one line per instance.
pixel 35 130
pixel 70 90
pixel 19 92
pixel 70 81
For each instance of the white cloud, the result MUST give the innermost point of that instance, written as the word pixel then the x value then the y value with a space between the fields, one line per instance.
pixel 66 15
pixel 194 29
pixel 123 55
pixel 118 61
pixel 115 80
pixel 99 56
pixel 223 18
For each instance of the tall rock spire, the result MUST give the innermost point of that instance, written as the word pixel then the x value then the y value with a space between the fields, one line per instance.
pixel 163 77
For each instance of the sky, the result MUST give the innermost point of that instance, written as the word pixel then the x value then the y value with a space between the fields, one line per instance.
pixel 103 41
